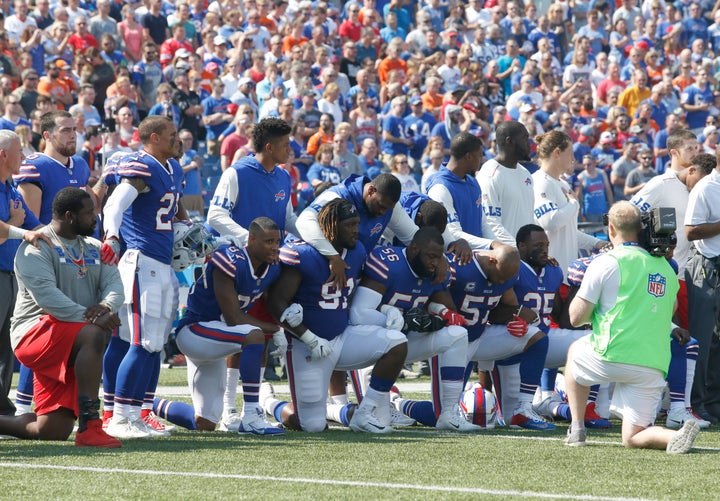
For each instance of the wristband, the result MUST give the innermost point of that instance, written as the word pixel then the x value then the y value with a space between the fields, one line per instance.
pixel 15 233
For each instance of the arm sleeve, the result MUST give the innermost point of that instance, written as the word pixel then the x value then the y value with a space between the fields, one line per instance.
pixel 122 197
pixel 492 224
pixel 309 229
pixel 290 219
pixel 219 217
pixel 363 310
pixel 401 224
pixel 454 230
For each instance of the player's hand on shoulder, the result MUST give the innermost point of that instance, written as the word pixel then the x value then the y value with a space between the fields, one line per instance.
pixel 110 251
pixel 461 250
pixel 34 238
pixel 337 271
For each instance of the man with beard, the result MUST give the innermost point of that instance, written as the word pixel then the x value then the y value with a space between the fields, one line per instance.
pixel 141 210
pixel 507 187
pixel 65 311
pixel 41 177
pixel 147 75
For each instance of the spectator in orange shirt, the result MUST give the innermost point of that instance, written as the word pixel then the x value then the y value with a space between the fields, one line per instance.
pixel 324 135
pixel 391 62
pixel 53 87
pixel 263 7
pixel 685 77
pixel 433 99
pixel 295 37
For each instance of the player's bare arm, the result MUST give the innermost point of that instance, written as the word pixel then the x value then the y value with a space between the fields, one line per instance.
pixel 224 288
pixel 280 296
pixel 32 195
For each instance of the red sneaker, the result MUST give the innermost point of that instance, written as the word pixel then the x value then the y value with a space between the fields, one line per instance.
pixel 94 436
pixel 106 417
pixel 592 420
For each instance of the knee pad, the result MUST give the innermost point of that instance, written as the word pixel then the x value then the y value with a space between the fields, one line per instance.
pixel 309 386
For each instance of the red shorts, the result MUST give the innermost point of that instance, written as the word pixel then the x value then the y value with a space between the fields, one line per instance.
pixel 45 349
pixel 682 305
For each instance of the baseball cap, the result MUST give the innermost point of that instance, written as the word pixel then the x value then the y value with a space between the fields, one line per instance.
pixel 245 81
pixel 636 129
pixel 451 33
pixel 525 108
pixel 587 130
pixel 710 129
pixel 583 138
pixel 606 137
pixel 182 53
pixel 632 140
pixel 415 100
pixel 642 45
pixel 219 40
pixel 212 66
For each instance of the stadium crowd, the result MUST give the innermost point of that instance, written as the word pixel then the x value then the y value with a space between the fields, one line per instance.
pixel 569 107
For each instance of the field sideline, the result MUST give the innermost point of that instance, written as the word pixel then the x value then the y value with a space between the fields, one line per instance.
pixel 339 464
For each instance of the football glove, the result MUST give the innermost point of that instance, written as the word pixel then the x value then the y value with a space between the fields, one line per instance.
pixel 319 347
pixel 517 327
pixel 293 315
pixel 419 320
pixel 110 251
pixel 394 317
pixel 453 318
pixel 281 344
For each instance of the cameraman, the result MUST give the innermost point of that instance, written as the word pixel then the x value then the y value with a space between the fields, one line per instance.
pixel 629 297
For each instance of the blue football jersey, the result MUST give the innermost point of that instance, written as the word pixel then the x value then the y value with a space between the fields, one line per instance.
pixel 404 289
pixel 147 224
pixel 51 176
pixel 326 310
pixel 537 292
pixel 475 296
pixel 202 306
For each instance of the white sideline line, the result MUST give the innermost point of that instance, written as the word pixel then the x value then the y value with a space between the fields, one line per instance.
pixel 351 483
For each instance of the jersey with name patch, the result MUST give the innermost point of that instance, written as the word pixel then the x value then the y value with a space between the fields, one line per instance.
pixel 51 176
pixel 147 223
pixel 537 292
pixel 403 288
pixel 475 296
pixel 202 304
pixel 325 308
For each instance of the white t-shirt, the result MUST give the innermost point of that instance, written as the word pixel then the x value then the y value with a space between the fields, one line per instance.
pixel 507 200
pixel 558 216
pixel 666 190
pixel 704 207
pixel 601 283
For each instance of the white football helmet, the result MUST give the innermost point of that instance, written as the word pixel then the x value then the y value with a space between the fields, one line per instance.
pixel 192 242
pixel 479 407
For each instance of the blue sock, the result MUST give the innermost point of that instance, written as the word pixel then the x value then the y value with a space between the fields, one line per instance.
pixel 563 411
pixel 531 366
pixel 381 384
pixel 677 371
pixel 153 375
pixel 547 379
pixel 343 414
pixel 178 413
pixel 131 378
pixel 250 359
pixel 25 391
pixel 421 411
pixel 277 412
pixel 114 354
pixel 592 396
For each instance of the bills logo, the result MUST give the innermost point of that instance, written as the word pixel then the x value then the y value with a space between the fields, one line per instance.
pixel 376 229
pixel 280 195
pixel 656 284
pixel 528 181
pixel 478 202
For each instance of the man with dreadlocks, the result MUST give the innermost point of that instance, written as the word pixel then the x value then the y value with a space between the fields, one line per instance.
pixel 328 342
pixel 217 325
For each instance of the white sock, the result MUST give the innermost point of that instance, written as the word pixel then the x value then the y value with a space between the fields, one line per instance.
pixel 332 412
pixel 340 399
pixel 122 411
pixel 232 376
pixel 270 404
pixel 677 406
pixel 690 376
pixel 450 394
pixel 21 409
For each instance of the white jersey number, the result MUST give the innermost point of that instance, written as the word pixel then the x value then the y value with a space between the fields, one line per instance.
pixel 542 304
pixel 166 212
pixel 334 298
pixel 471 306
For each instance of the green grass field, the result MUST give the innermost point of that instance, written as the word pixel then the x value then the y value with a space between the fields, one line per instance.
pixel 417 463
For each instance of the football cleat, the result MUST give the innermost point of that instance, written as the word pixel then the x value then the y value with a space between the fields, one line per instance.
pixel 682 441
pixel 121 427
pixel 253 422
pixel 592 420
pixel 576 438
pixel 453 420
pixel 106 417
pixel 547 406
pixel 94 436
pixel 364 420
pixel 230 421
pixel 525 417
pixel 399 419
pixel 678 417
pixel 153 422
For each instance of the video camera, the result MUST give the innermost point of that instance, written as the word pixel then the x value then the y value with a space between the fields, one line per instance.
pixel 657 231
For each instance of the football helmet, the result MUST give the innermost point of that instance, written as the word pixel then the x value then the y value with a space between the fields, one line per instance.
pixel 479 407
pixel 192 242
